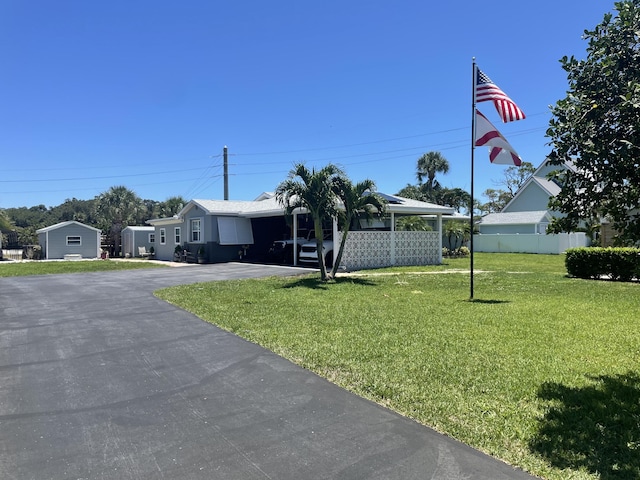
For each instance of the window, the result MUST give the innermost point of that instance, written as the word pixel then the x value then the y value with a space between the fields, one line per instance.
pixel 152 238
pixel 176 232
pixel 196 226
pixel 163 236
pixel 74 240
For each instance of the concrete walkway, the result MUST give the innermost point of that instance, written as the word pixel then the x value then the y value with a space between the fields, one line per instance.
pixel 101 380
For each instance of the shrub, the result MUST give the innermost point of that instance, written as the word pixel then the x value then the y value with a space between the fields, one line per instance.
pixel 457 252
pixel 32 252
pixel 622 263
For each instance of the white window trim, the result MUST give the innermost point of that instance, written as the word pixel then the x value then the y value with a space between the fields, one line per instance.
pixel 78 244
pixel 191 231
pixel 163 236
pixel 177 235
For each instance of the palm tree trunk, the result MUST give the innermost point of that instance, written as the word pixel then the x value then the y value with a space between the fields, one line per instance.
pixel 336 264
pixel 317 226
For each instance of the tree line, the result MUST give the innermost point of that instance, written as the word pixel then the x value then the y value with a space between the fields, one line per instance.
pixel 110 211
pixel 119 206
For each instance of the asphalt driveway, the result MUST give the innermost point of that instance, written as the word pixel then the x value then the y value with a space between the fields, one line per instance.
pixel 101 380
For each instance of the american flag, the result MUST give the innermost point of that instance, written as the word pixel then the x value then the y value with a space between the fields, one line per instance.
pixel 487 90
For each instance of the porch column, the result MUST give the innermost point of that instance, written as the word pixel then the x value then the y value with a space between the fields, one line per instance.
pixel 336 244
pixel 295 239
pixel 439 222
pixel 393 239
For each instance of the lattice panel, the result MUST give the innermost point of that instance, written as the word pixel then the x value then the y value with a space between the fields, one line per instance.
pixel 374 249
pixel 417 248
pixel 367 250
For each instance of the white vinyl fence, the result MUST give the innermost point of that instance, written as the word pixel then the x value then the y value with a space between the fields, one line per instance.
pixel 529 243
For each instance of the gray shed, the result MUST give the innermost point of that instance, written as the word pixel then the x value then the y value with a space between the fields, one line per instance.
pixel 69 240
pixel 135 237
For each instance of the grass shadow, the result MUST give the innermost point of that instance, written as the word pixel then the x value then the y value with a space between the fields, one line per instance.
pixel 488 302
pixel 316 284
pixel 594 427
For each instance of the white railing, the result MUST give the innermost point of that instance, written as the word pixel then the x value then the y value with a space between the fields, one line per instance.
pixel 12 254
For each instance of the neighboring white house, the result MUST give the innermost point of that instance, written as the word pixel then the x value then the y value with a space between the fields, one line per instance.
pixel 70 240
pixel 526 215
pixel 229 230
pixel 135 237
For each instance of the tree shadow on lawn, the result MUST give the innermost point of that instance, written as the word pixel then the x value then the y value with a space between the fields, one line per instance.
pixel 316 284
pixel 595 427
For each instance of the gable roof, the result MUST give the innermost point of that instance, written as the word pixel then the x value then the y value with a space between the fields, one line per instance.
pixel 566 165
pixel 516 218
pixel 65 224
pixel 538 179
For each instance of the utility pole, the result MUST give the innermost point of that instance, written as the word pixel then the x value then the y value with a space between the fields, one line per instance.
pixel 226 174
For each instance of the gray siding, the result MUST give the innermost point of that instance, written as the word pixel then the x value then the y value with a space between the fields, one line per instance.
pixel 207 232
pixel 165 251
pixel 507 229
pixel 54 242
pixel 531 199
pixel 134 238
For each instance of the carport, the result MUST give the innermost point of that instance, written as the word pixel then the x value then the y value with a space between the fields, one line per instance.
pixel 378 244
pixel 227 230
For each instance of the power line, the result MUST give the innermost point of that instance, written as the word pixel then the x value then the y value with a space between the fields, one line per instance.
pixel 99 178
pixel 201 181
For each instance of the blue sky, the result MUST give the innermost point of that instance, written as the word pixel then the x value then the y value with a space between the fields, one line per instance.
pixel 147 93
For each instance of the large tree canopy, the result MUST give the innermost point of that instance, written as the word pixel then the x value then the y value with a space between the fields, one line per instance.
pixel 116 208
pixel 597 127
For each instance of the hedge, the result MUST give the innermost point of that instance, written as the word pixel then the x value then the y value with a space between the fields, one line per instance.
pixel 622 264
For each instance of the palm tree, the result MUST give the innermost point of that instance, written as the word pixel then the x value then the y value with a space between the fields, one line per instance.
pixel 412 191
pixel 453 197
pixel 311 189
pixel 412 223
pixel 457 231
pixel 428 165
pixel 357 200
pixel 115 209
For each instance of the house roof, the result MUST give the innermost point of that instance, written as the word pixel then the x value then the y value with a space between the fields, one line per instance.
pixel 242 208
pixel 65 224
pixel 516 218
pixel 567 164
pixel 138 228
pixel 410 206
pixel 268 206
pixel 552 188
pixel 549 187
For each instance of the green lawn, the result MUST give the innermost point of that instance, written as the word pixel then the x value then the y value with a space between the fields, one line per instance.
pixel 16 269
pixel 540 370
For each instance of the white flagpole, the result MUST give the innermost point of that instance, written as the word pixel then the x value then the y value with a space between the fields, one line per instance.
pixel 473 144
